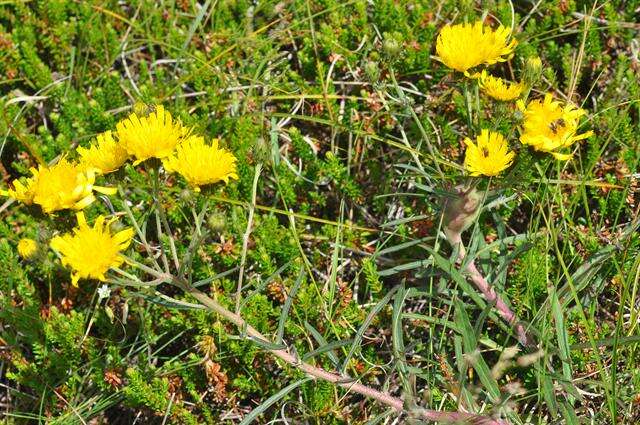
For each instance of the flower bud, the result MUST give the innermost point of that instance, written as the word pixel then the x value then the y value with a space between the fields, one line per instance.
pixel 186 195
pixel 262 151
pixel 207 346
pixel 140 109
pixel 372 71
pixel 391 46
pixel 217 222
pixel 532 71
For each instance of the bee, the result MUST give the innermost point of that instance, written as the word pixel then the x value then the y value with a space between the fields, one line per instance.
pixel 555 125
pixel 142 109
pixel 485 152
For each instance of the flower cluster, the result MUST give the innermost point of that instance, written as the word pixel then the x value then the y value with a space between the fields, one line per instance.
pixel 548 126
pixel 90 251
pixel 158 135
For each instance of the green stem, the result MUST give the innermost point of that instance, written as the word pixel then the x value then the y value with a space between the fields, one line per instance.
pixel 421 128
pixel 467 101
pixel 137 228
pixel 163 216
pixel 247 234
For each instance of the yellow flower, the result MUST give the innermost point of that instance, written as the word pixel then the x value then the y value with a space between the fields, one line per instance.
pixel 498 88
pixel 201 164
pixel 27 247
pixel 550 126
pixel 105 156
pixel 22 191
pixel 91 251
pixel 64 185
pixel 489 156
pixel 464 46
pixel 152 136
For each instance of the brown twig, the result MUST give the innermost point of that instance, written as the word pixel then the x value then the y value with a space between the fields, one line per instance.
pixel 344 382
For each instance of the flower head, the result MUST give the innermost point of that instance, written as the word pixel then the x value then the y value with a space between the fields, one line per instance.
pixel 104 292
pixel 550 126
pixel 22 190
pixel 201 164
pixel 27 248
pixel 498 88
pixel 532 71
pixel 65 185
pixel 91 251
pixel 464 46
pixel 151 136
pixel 489 156
pixel 105 156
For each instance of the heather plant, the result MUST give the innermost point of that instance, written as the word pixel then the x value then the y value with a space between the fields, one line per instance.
pixel 319 212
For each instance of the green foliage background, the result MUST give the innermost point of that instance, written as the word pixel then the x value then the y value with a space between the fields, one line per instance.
pixel 339 101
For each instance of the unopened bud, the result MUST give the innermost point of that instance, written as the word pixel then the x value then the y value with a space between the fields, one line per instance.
pixel 207 346
pixel 532 71
pixel 186 195
pixel 372 71
pixel 391 46
pixel 262 151
pixel 217 222
pixel 140 109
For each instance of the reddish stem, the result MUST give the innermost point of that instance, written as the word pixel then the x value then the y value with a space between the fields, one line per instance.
pixel 489 292
pixel 344 382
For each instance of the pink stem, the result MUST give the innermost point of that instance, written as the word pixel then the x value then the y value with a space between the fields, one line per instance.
pixel 346 383
pixel 490 293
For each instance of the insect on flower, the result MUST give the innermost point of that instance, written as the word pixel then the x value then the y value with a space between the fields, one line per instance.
pixel 556 125
pixel 550 126
pixel 489 156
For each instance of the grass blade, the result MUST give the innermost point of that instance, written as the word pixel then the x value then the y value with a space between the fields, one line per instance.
pixel 272 400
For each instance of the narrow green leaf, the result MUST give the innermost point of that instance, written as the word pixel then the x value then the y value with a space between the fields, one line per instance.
pixel 287 305
pixel 272 400
pixel 365 325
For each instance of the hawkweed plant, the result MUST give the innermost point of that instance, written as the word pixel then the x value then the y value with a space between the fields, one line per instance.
pixel 163 149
